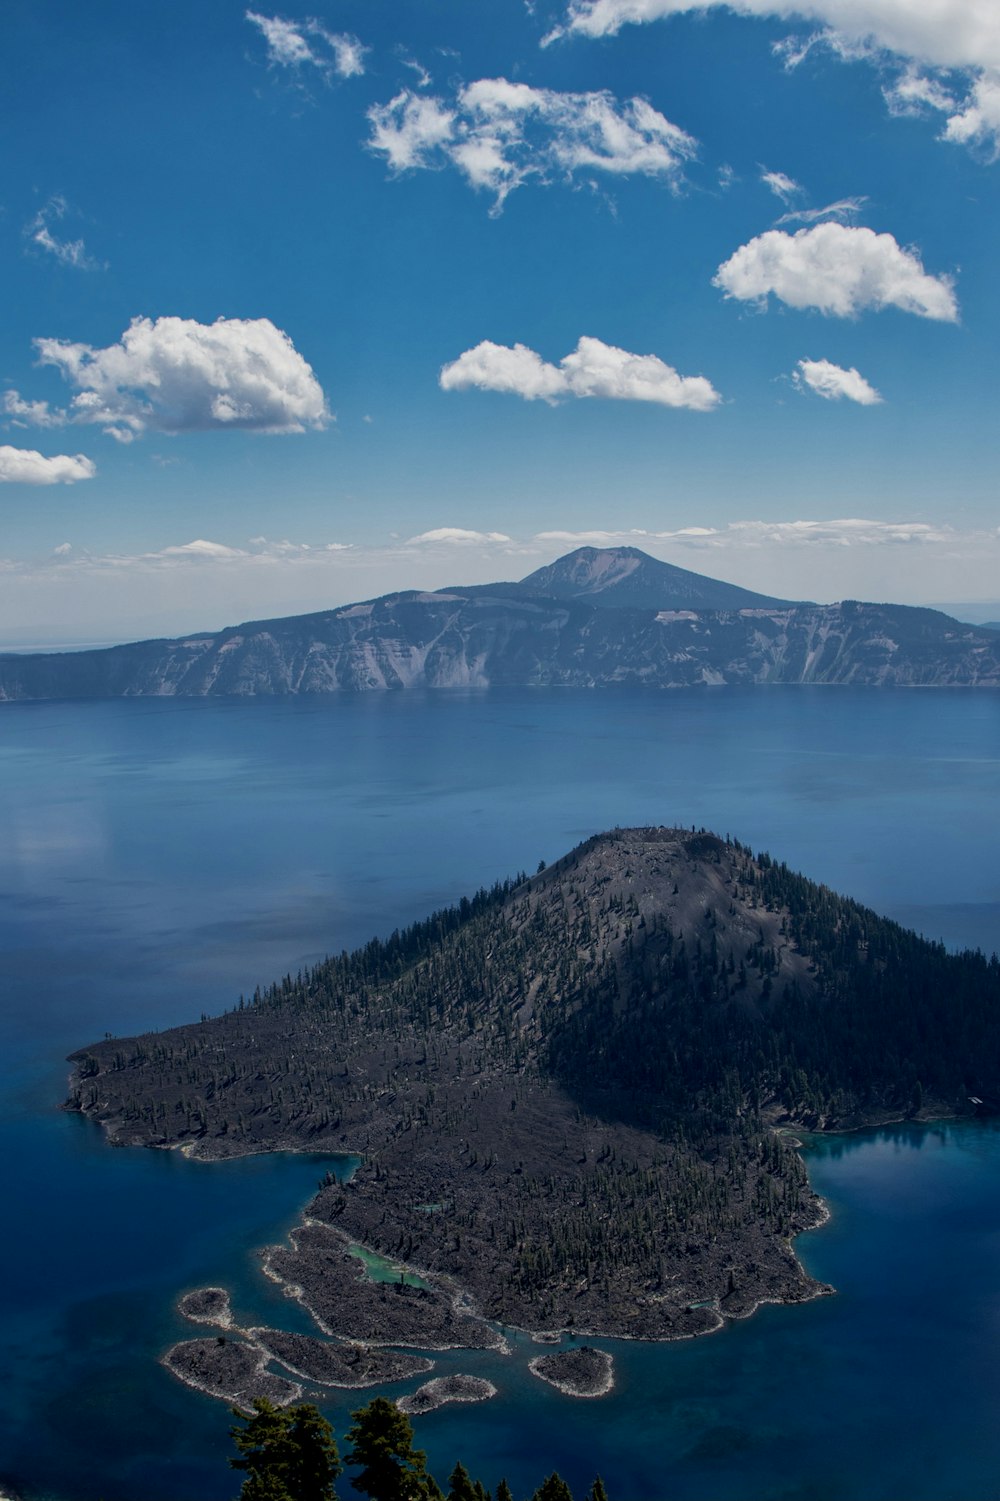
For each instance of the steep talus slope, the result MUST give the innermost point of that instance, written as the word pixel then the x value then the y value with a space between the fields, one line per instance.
pixel 562 1088
pixel 482 639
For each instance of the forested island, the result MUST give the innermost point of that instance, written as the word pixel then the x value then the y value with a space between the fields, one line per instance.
pixel 565 1090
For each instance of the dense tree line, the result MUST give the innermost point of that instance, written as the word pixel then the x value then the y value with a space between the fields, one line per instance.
pixel 291 1454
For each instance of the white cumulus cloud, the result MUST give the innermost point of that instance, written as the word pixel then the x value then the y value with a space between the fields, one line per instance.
pixel 592 369
pixel 942 33
pixel 455 536
pixel 945 46
pixel 835 383
pixel 972 120
pixel 840 269
pixel 977 123
pixel 499 134
pixel 297 44
pixel 25 466
pixel 175 375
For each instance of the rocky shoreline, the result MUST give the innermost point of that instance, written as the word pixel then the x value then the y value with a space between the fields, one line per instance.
pixel 207 1305
pixel 332 1364
pixel 444 1389
pixel 583 1372
pixel 319 1269
pixel 231 1369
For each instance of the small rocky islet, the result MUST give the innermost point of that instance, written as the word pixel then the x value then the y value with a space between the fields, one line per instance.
pixel 444 1389
pixel 232 1369
pixel 236 1369
pixel 580 1372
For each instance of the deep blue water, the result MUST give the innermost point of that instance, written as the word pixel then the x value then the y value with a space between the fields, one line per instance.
pixel 157 858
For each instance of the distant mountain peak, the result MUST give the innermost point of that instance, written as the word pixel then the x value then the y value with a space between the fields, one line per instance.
pixel 627 577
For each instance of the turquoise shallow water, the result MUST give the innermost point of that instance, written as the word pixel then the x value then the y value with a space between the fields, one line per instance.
pixel 157 858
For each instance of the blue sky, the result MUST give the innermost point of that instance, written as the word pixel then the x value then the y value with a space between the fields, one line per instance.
pixel 303 305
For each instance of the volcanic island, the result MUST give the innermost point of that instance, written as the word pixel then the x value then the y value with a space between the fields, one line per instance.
pixel 570 1095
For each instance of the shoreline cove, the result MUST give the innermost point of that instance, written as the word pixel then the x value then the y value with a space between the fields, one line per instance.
pixel 255 1336
pixel 461 1300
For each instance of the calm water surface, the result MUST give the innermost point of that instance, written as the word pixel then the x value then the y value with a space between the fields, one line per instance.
pixel 158 858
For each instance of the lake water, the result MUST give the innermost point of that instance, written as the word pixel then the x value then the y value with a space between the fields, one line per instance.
pixel 157 858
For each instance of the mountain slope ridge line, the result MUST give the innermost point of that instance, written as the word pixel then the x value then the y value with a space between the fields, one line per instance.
pixel 596 618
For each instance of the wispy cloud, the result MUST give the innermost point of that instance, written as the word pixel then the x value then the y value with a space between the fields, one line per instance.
pixel 175 375
pixel 845 210
pixel 499 135
pixel 839 532
pixel 200 553
pixel 834 382
pixel 21 413
pixel 781 185
pixel 297 45
pixel 424 79
pixel 839 270
pixel 456 536
pixel 40 236
pixel 25 466
pixel 593 369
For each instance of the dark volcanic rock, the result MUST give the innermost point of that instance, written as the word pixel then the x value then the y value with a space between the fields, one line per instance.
pixel 230 1369
pixel 347 1302
pixel 335 1364
pixel 583 1372
pixel 207 1305
pixel 564 1090
pixel 442 1389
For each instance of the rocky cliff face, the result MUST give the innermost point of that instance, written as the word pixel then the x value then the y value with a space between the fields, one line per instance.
pixel 506 635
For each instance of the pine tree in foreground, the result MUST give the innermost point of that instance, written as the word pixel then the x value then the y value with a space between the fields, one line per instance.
pixel 382 1445
pixel 287 1455
pixel 291 1454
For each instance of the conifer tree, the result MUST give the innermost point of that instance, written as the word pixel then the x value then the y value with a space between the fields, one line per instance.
pixel 315 1461
pixel 288 1455
pixel 460 1485
pixel 265 1452
pixel 382 1445
pixel 553 1488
